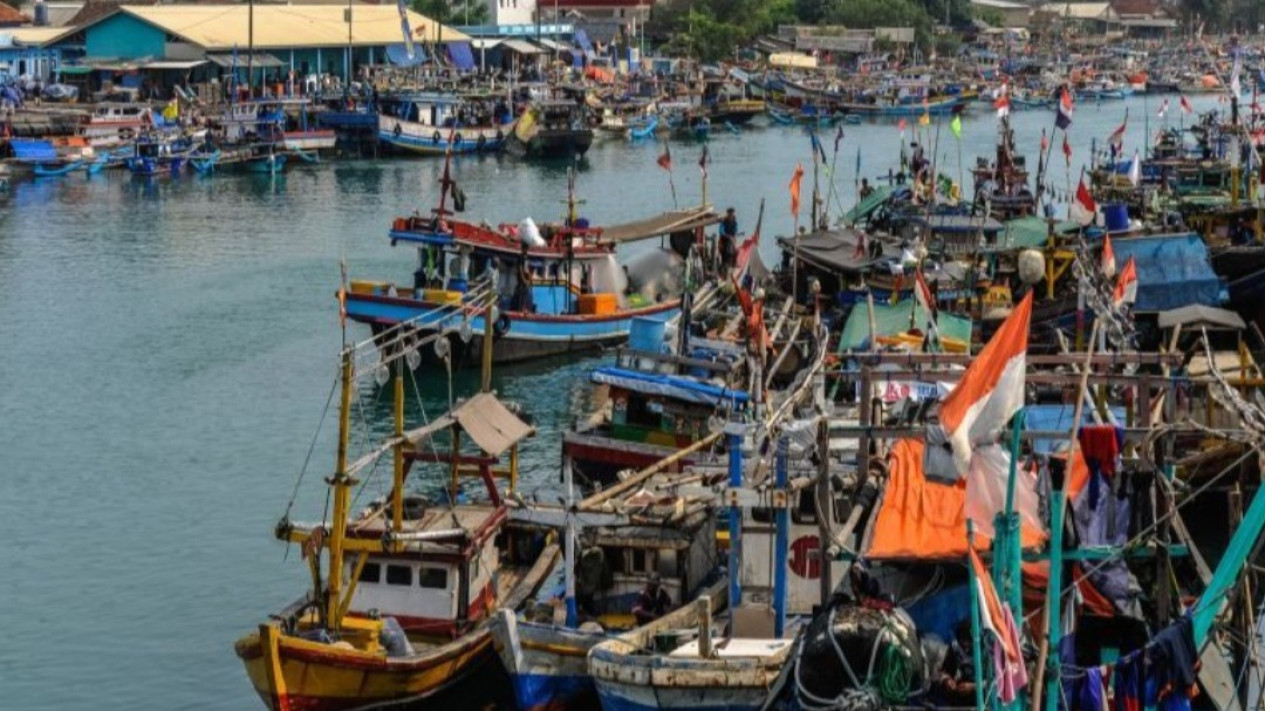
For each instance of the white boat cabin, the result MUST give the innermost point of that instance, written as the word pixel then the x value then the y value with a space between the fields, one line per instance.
pixel 803 560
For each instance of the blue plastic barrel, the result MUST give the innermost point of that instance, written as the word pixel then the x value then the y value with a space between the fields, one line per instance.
pixel 1117 217
pixel 646 334
pixel 458 284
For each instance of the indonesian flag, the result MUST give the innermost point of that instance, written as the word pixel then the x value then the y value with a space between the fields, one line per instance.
pixel 1163 109
pixel 1185 105
pixel 665 160
pixel 901 124
pixel 928 304
pixel 1116 139
pixel 1083 209
pixel 1002 104
pixel 1108 257
pixel 1135 170
pixel 1127 285
pixel 1067 150
pixel 1064 117
pixel 991 390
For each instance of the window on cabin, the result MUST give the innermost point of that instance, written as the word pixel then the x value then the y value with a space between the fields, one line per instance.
pixel 371 573
pixel 640 561
pixel 433 578
pixel 399 575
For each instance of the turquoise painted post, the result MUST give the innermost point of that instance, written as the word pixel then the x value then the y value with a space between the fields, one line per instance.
pixel 1054 607
pixel 781 545
pixel 973 593
pixel 1223 578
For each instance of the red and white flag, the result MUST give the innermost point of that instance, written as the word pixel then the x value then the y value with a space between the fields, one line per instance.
pixel 991 390
pixel 1163 109
pixel 1083 208
pixel 1127 285
pixel 1108 257
pixel 1002 104
pixel 1185 105
pixel 1067 150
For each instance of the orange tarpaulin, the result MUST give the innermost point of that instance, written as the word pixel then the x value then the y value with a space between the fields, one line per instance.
pixel 605 76
pixel 920 519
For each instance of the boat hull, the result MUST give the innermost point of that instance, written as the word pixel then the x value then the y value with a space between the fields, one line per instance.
pixel 421 139
pixel 292 674
pixel 547 665
pixel 520 337
pixel 628 697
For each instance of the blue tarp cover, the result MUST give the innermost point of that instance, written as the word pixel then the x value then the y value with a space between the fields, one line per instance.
pixel 397 54
pixel 33 151
pixel 1057 418
pixel 461 54
pixel 672 386
pixel 1173 271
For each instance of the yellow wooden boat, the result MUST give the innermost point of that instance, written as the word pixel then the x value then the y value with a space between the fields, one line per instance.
pixel 401 610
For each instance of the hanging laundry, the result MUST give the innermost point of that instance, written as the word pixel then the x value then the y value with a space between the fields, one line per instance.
pixel 1100 445
pixel 1128 683
pixel 1172 663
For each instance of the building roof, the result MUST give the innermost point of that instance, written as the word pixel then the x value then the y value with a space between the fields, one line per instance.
pixel 583 4
pixel 223 27
pixel 1001 4
pixel 1136 7
pixel 10 16
pixel 1080 10
pixel 37 36
pixel 94 10
pixel 60 13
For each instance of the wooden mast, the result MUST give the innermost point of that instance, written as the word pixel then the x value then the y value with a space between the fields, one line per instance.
pixel 341 484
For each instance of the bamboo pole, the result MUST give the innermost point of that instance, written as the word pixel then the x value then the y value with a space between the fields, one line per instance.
pixel 648 472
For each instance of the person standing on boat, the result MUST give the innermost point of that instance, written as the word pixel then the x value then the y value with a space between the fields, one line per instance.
pixel 653 601
pixel 728 240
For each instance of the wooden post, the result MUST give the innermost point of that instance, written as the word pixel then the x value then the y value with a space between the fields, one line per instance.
pixel 489 314
pixel 705 626
pixel 826 508
pixel 397 486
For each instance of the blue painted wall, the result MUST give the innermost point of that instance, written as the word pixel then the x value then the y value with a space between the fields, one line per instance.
pixel 125 37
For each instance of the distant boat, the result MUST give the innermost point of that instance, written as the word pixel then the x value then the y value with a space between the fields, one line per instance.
pixel 53 170
pixel 551 129
pixel 268 164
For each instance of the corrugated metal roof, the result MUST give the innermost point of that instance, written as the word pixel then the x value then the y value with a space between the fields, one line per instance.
pixel 221 27
pixel 37 36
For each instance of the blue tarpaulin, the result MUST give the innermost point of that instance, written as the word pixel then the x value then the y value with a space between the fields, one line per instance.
pixel 1173 271
pixel 672 386
pixel 31 151
pixel 397 54
pixel 461 54
pixel 1057 418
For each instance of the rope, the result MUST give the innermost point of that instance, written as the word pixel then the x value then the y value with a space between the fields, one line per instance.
pixel 329 399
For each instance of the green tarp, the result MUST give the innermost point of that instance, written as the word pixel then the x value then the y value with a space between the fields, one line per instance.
pixel 1032 231
pixel 75 70
pixel 863 209
pixel 890 320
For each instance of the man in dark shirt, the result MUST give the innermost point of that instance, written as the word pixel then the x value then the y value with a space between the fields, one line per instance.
pixel 728 246
pixel 652 602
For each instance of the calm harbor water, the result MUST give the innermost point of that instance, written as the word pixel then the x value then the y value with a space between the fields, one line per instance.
pixel 167 352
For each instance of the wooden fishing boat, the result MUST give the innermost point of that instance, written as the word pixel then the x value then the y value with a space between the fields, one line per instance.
pixel 269 163
pixel 435 123
pixel 551 128
pixel 563 291
pixel 676 663
pixel 402 611
pixel 53 170
pixel 670 536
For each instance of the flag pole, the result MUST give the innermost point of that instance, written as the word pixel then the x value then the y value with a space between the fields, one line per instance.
pixel 975 617
pixel 834 163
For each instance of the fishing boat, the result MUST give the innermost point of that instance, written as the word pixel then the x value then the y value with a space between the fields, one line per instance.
pixel 675 662
pixel 266 162
pixel 560 289
pixel 551 128
pixel 113 124
pixel 433 123
pixel 616 540
pixel 399 610
pixel 53 170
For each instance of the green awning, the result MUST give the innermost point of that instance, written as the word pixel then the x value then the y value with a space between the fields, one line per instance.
pixel 75 70
pixel 892 319
pixel 863 209
pixel 1032 231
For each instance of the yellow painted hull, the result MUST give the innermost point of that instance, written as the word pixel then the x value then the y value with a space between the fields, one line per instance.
pixel 294 674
